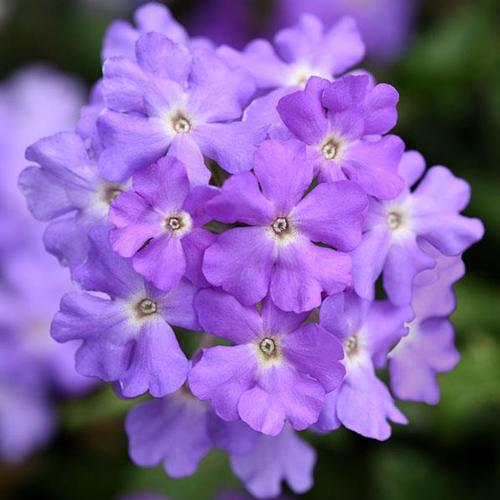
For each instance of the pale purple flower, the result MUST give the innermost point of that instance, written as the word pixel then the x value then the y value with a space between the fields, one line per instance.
pixel 385 25
pixel 121 36
pixel 340 123
pixel 179 430
pixel 126 338
pixel 395 230
pixel 173 431
pixel 177 102
pixel 66 190
pixel 368 331
pixel 276 253
pixel 273 460
pixel 300 52
pixel 278 371
pixel 159 224
pixel 429 347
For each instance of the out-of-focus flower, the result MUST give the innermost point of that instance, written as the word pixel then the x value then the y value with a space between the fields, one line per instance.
pixel 33 368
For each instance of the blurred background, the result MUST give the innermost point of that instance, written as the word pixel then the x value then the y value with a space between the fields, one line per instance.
pixel 444 58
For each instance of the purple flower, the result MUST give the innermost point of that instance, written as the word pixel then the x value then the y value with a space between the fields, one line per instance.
pixel 429 348
pixel 159 225
pixel 127 337
pixel 300 52
pixel 121 36
pixel 179 430
pixel 66 189
pixel 394 230
pixel 173 431
pixel 337 122
pixel 275 253
pixel 368 331
pixel 385 25
pixel 165 103
pixel 273 460
pixel 277 372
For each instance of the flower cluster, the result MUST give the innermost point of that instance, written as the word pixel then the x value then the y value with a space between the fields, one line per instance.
pixel 228 216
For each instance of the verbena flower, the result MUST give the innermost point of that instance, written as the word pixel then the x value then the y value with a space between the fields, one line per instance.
pixel 300 52
pixel 159 224
pixel 394 230
pixel 126 338
pixel 276 252
pixel 341 124
pixel 278 371
pixel 429 348
pixel 367 331
pixel 165 103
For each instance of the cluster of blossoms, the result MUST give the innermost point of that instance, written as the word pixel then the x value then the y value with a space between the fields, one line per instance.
pixel 227 216
pixel 35 371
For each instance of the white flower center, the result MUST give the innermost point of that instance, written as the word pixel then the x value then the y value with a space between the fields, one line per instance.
pixel 329 150
pixel 280 225
pixel 351 345
pixel 268 347
pixel 181 124
pixel 394 220
pixel 146 307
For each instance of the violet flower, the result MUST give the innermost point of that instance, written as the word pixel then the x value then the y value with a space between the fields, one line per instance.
pixel 275 253
pixel 126 338
pixel 395 229
pixel 368 331
pixel 159 224
pixel 337 122
pixel 277 372
pixel 164 104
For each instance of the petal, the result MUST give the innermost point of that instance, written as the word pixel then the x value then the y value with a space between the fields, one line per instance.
pixel 411 167
pixel 131 142
pixel 240 200
pixel 194 245
pixel 176 306
pixel 184 149
pixel 368 260
pixel 222 375
pixel 364 405
pixel 274 459
pixel 221 314
pixel 123 85
pixel 303 271
pixel 260 60
pixel 303 113
pixel 105 271
pixel 231 145
pixel 374 166
pixel 284 173
pixel 281 322
pixel 404 261
pixel 67 240
pixel 163 185
pixel 172 431
pixel 328 420
pixel 160 56
pixel 429 349
pixel 333 214
pixel 314 352
pixel 211 76
pixel 162 261
pixel 136 222
pixel 157 364
pixel 341 48
pixel 157 17
pixel 240 262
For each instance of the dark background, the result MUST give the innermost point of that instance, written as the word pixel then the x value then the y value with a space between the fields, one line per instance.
pixel 449 80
